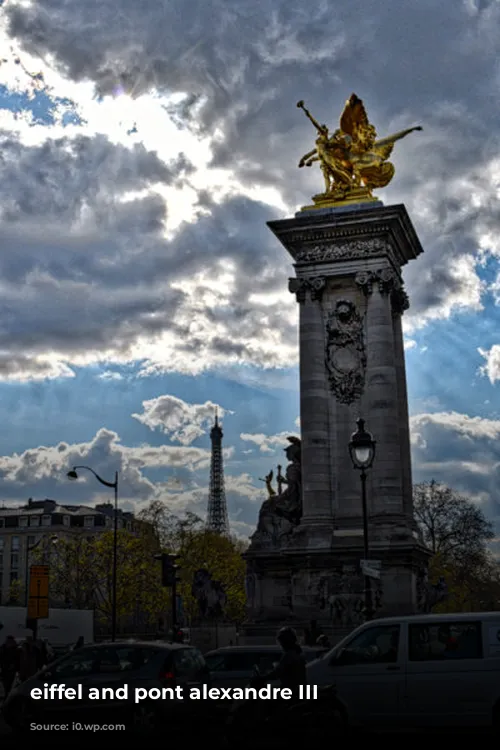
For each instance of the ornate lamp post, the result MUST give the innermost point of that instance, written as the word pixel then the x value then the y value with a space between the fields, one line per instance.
pixel 73 475
pixel 362 452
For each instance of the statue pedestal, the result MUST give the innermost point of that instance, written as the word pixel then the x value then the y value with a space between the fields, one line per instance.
pixel 351 295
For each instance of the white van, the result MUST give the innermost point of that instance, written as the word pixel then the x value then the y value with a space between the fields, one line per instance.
pixel 418 671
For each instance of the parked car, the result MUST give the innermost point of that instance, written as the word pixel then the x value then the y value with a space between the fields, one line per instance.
pixel 417 672
pixel 113 665
pixel 234 666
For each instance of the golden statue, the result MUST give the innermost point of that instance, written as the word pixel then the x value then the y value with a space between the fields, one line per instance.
pixel 352 160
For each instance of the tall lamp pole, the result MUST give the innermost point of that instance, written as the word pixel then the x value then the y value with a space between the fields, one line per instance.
pixel 73 475
pixel 362 451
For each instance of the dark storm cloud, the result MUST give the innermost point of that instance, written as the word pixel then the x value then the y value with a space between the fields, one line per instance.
pixel 462 452
pixel 244 65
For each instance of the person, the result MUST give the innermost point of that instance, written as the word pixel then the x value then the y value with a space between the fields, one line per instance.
pixel 324 642
pixel 80 643
pixel 9 663
pixel 291 669
pixel 29 659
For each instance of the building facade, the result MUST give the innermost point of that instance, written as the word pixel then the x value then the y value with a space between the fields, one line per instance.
pixel 22 529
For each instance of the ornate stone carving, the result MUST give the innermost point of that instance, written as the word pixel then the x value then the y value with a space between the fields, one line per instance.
pixel 400 301
pixel 345 352
pixel 343 250
pixel 281 513
pixel 347 600
pixel 313 284
pixel 429 595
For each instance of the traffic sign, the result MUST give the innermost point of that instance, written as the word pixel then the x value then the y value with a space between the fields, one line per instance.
pixel 371 568
pixel 39 586
pixel 38 608
pixel 39 570
pixel 38 602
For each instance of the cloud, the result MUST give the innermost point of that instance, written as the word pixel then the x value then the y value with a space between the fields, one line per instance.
pixel 463 452
pixel 183 422
pixel 267 443
pixel 110 375
pixel 491 368
pixel 229 80
pixel 41 472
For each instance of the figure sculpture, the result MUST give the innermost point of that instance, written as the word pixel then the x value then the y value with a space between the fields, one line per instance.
pixel 352 160
pixel 281 512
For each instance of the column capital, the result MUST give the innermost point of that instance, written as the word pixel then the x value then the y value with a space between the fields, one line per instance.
pixel 386 280
pixel 313 284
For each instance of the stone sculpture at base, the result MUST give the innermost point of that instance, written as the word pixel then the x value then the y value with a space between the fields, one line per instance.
pixel 281 513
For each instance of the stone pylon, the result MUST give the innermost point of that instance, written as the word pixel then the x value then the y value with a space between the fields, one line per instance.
pixel 349 288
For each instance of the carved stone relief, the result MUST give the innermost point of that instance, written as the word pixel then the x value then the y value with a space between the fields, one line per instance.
pixel 343 250
pixel 345 354
pixel 347 600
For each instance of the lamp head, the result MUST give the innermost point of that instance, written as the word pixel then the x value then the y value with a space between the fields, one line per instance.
pixel 72 474
pixel 362 447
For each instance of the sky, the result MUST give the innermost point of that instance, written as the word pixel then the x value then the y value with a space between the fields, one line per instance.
pixel 143 148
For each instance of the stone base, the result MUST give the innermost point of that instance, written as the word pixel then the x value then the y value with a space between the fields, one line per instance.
pixel 324 585
pixel 340 198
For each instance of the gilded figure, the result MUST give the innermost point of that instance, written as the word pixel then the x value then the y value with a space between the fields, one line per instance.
pixel 353 159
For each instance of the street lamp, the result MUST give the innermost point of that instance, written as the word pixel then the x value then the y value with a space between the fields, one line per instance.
pixel 29 549
pixel 362 452
pixel 114 485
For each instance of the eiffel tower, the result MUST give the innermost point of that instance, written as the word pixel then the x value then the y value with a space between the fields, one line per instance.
pixel 217 519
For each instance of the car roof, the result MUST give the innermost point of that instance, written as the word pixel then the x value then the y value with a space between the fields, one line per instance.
pixel 139 644
pixel 255 649
pixel 435 618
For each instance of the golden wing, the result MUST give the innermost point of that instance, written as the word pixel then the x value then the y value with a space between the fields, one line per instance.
pixel 354 116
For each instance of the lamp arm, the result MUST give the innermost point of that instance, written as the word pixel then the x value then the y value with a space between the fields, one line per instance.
pixel 99 479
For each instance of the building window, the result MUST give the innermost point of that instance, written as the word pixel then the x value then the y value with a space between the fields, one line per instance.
pixel 15 544
pixel 66 520
pixel 31 541
pixel 23 521
pixel 89 521
pixel 14 560
pixel 14 576
pixel 34 520
pixel 45 520
pixel 108 522
pixel 2 523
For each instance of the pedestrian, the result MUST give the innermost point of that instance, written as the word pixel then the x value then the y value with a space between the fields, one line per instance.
pixel 324 642
pixel 9 663
pixel 29 659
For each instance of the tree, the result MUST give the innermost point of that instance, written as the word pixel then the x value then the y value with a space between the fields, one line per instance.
pixel 452 525
pixel 81 575
pixel 457 532
pixel 199 548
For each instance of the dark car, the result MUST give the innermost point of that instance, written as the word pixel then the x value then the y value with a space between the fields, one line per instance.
pixel 135 665
pixel 234 666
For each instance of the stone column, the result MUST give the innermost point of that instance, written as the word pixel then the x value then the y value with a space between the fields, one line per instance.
pixel 382 416
pixel 400 303
pixel 316 487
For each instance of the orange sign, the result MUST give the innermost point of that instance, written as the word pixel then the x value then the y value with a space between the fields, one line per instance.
pixel 39 586
pixel 38 609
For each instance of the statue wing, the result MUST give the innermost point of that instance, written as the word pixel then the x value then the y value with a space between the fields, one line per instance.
pixel 353 117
